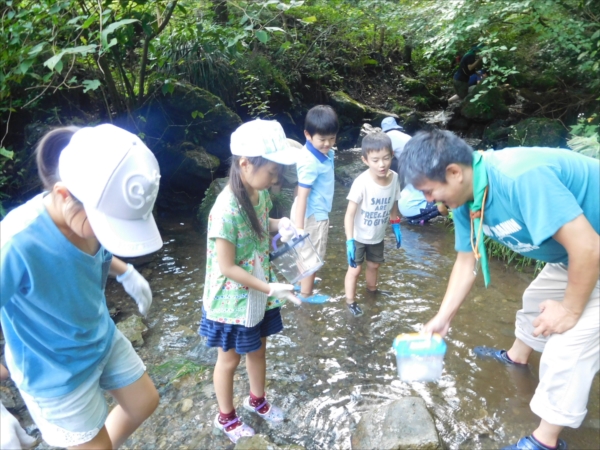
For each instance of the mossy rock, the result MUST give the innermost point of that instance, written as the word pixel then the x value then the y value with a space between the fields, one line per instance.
pixel 375 116
pixel 496 135
pixel 190 114
pixel 489 104
pixel 350 111
pixel 348 138
pixel 210 196
pixel 415 87
pixel 537 132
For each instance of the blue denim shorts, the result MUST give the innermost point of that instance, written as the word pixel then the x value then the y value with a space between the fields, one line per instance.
pixel 77 417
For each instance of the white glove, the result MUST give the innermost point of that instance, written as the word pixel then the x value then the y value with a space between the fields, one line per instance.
pixel 286 229
pixel 283 292
pixel 136 286
pixel 11 434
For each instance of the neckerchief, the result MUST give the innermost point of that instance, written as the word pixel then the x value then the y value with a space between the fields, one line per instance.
pixel 477 209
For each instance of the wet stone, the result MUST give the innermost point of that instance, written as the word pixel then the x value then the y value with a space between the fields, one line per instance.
pixel 401 424
pixel 133 328
pixel 186 405
pixel 260 442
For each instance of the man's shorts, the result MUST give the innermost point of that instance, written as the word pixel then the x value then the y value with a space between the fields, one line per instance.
pixel 461 88
pixel 77 417
pixel 373 252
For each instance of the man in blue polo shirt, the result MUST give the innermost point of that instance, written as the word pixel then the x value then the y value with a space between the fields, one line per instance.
pixel 310 211
pixel 542 203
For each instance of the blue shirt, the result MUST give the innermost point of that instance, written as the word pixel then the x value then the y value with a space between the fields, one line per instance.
pixel 315 171
pixel 411 201
pixel 532 193
pixel 54 315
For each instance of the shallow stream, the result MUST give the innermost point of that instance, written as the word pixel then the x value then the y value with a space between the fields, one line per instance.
pixel 327 368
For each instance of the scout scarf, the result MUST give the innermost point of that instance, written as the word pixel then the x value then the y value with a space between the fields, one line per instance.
pixel 477 209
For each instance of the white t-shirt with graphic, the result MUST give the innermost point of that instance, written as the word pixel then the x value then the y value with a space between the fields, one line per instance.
pixel 374 205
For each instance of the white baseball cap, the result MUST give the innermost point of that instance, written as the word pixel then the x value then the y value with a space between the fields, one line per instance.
pixel 116 177
pixel 264 138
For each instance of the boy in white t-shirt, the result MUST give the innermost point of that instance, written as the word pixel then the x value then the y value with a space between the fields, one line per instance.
pixel 372 201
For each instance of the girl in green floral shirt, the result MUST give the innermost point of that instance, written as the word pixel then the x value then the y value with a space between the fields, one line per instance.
pixel 242 299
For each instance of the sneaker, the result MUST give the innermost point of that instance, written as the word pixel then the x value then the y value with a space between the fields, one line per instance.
pixel 273 415
pixel 355 309
pixel 238 432
pixel 531 443
pixel 297 285
pixel 315 298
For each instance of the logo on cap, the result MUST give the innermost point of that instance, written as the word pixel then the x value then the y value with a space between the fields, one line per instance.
pixel 140 191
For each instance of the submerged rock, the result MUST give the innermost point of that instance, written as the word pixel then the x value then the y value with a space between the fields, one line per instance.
pixel 401 424
pixel 260 442
pixel 133 328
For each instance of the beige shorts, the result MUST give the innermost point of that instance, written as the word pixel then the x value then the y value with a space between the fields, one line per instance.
pixel 569 360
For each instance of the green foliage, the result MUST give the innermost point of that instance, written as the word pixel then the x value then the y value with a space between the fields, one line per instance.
pixel 586 136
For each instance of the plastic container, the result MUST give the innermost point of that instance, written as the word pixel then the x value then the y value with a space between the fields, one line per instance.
pixel 418 357
pixel 295 259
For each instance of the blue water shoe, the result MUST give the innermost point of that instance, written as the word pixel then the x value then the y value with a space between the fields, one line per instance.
pixel 531 443
pixel 498 355
pixel 315 298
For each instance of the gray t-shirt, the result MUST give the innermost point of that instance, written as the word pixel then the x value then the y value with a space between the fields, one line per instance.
pixel 374 205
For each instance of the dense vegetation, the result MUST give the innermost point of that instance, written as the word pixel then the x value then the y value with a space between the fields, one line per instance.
pixel 91 61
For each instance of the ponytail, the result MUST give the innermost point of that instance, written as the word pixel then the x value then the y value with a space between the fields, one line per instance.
pixel 48 152
pixel 240 193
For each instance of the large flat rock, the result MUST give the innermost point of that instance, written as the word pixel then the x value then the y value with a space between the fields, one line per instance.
pixel 400 425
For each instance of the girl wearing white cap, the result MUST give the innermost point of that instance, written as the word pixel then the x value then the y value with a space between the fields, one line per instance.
pixel 62 348
pixel 242 299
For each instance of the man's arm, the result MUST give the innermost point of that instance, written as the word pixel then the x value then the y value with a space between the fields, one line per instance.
pixel 475 65
pixel 583 247
pixel 301 202
pixel 459 285
pixel 349 219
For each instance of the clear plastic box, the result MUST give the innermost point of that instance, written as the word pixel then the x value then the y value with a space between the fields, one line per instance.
pixel 418 357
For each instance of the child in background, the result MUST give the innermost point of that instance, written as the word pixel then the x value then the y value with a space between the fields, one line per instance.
pixel 310 211
pixel 415 208
pixel 62 347
pixel 242 299
pixel 372 201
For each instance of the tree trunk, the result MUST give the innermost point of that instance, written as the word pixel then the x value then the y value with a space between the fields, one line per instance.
pixel 113 92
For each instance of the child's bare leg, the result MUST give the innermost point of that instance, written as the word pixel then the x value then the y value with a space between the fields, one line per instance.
pixel 350 283
pixel 256 365
pixel 100 442
pixel 137 402
pixel 306 285
pixel 227 362
pixel 3 372
pixel 371 275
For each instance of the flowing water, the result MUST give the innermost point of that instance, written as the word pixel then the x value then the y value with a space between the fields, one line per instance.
pixel 327 368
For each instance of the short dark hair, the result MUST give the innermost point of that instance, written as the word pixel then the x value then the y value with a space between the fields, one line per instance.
pixel 375 142
pixel 429 153
pixel 321 119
